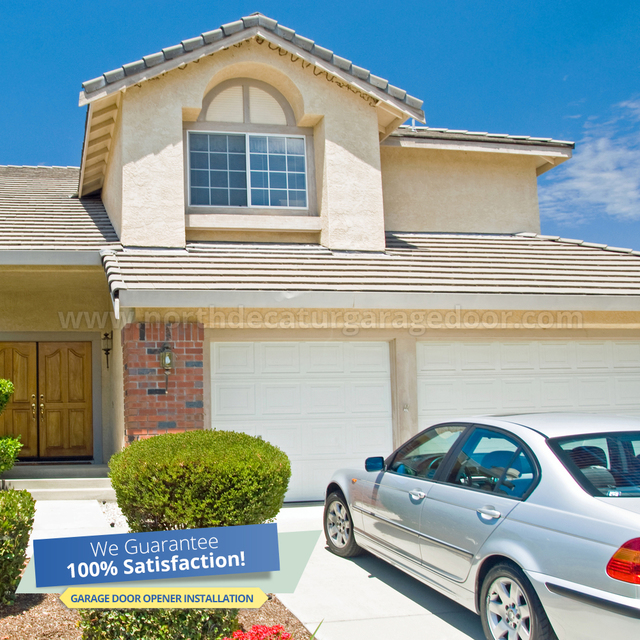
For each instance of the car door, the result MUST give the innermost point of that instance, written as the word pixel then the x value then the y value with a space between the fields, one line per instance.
pixel 483 483
pixel 391 505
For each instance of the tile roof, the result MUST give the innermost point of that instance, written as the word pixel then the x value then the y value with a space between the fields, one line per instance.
pixel 433 133
pixel 412 263
pixel 39 209
pixel 255 23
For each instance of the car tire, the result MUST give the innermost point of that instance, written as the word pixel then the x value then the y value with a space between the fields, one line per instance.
pixel 510 607
pixel 338 527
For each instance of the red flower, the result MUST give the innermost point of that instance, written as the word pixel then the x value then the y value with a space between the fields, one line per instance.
pixel 261 632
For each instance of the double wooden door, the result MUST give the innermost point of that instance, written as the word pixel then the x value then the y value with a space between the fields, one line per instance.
pixel 51 407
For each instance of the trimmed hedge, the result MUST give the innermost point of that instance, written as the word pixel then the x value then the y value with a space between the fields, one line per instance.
pixel 157 624
pixel 199 479
pixel 6 391
pixel 9 450
pixel 17 510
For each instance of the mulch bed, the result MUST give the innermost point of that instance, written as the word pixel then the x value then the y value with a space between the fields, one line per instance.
pixel 44 617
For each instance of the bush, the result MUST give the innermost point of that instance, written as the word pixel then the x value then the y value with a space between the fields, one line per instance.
pixel 9 450
pixel 6 391
pixel 199 479
pixel 157 624
pixel 262 632
pixel 17 509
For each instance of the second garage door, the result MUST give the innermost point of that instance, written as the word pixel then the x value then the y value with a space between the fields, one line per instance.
pixel 326 404
pixel 478 377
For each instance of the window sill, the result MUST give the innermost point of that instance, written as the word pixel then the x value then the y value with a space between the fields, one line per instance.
pixel 253 222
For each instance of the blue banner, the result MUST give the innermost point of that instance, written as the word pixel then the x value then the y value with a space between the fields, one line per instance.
pixel 156 555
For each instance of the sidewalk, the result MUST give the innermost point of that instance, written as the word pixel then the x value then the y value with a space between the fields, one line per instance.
pixel 362 597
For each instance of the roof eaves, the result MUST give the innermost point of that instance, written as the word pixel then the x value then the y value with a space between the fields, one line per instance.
pixel 246 28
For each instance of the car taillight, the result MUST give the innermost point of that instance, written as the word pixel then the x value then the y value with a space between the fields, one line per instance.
pixel 625 563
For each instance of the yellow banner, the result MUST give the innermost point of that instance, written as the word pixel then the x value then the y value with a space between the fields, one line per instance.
pixel 163 598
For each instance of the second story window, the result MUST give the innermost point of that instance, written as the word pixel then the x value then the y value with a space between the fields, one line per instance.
pixel 245 153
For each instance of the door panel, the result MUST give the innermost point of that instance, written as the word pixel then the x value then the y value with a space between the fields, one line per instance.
pixel 18 363
pixel 65 399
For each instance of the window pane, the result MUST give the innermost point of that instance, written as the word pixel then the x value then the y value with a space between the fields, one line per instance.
pixel 219 179
pixel 258 162
pixel 199 160
pixel 295 163
pixel 297 199
pixel 259 180
pixel 199 141
pixel 219 197
pixel 237 161
pixel 259 197
pixel 238 198
pixel 199 178
pixel 218 143
pixel 257 144
pixel 278 198
pixel 297 181
pixel 295 146
pixel 237 180
pixel 218 161
pixel 276 145
pixel 200 196
pixel 236 144
pixel 277 163
pixel 278 180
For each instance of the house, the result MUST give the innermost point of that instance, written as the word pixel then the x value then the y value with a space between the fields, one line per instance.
pixel 251 212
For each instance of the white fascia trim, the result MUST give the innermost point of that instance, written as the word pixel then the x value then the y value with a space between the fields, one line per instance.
pixel 36 257
pixel 488 147
pixel 356 300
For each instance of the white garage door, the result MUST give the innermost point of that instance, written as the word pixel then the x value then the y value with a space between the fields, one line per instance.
pixel 327 405
pixel 458 378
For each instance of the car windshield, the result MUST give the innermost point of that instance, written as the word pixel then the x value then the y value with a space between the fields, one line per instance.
pixel 606 464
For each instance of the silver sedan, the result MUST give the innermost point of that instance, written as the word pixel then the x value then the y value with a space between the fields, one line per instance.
pixel 532 521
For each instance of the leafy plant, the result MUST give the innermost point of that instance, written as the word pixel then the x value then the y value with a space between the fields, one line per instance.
pixel 17 510
pixel 199 479
pixel 6 391
pixel 9 450
pixel 157 624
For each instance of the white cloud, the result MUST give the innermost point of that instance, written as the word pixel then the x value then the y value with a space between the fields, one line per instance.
pixel 603 177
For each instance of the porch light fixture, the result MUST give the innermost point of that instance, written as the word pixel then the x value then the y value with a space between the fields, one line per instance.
pixel 107 345
pixel 168 362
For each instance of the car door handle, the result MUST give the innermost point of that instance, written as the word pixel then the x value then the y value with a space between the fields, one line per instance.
pixel 418 495
pixel 489 512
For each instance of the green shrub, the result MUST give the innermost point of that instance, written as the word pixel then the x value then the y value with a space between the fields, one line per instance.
pixel 17 509
pixel 9 450
pixel 6 391
pixel 199 479
pixel 157 624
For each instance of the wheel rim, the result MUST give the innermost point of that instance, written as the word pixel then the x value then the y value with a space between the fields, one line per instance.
pixel 338 524
pixel 508 613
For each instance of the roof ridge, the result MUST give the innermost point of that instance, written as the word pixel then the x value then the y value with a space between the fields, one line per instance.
pixel 581 243
pixel 253 21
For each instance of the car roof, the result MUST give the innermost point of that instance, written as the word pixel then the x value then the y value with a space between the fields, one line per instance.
pixel 555 425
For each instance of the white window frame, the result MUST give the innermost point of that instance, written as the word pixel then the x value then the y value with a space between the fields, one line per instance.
pixel 249 205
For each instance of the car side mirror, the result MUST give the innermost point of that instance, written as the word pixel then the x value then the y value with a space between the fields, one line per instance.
pixel 374 464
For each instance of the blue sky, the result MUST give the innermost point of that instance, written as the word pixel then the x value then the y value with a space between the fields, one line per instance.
pixel 563 69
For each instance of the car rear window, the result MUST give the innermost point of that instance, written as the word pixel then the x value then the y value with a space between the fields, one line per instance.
pixel 604 464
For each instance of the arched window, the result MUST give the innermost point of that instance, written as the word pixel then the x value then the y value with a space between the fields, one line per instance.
pixel 245 152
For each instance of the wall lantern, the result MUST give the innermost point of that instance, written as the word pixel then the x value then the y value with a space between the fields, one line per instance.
pixel 168 362
pixel 107 345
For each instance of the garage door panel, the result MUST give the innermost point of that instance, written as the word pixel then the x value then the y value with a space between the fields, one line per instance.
pixel 326 439
pixel 558 393
pixel 368 358
pixel 370 397
pixel 627 390
pixel 371 437
pixel 324 357
pixel 520 393
pixel 478 357
pixel 556 355
pixel 480 394
pixel 594 392
pixel 438 394
pixel 518 356
pixel 233 358
pixel 626 355
pixel 279 357
pixel 594 355
pixel 281 398
pixel 238 399
pixel 324 398
pixel 288 438
pixel 436 356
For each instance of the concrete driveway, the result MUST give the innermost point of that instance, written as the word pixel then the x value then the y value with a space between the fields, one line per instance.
pixel 365 597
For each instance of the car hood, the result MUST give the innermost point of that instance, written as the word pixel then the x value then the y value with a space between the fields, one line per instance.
pixel 628 504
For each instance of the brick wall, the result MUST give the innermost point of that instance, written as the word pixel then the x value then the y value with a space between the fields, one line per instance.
pixel 149 408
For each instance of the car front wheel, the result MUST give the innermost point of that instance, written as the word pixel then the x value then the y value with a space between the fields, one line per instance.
pixel 510 608
pixel 338 527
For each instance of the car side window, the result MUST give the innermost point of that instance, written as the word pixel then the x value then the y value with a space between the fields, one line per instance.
pixel 493 462
pixel 422 456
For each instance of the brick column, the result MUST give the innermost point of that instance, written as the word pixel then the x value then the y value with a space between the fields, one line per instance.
pixel 149 408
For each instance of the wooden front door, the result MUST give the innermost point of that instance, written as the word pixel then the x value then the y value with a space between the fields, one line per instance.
pixel 51 408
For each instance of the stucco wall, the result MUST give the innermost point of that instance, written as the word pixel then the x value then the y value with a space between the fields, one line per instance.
pixel 458 191
pixel 112 189
pixel 345 138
